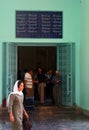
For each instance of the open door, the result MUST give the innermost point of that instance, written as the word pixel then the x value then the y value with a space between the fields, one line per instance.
pixel 11 66
pixel 65 64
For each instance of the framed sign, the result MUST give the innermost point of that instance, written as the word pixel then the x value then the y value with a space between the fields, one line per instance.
pixel 39 24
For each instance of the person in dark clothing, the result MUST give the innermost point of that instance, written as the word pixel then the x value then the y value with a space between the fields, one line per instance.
pixel 49 85
pixel 36 94
pixel 41 84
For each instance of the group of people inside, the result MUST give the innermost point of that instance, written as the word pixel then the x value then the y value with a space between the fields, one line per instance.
pixel 43 85
pixel 47 84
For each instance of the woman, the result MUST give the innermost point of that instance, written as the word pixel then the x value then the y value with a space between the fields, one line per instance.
pixel 15 106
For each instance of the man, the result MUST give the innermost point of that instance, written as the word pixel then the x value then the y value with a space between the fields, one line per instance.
pixel 57 88
pixel 29 90
pixel 29 83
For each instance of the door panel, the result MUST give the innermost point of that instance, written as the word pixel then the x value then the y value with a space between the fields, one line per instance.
pixel 65 66
pixel 11 67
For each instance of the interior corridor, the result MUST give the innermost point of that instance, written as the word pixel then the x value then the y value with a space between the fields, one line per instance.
pixel 51 118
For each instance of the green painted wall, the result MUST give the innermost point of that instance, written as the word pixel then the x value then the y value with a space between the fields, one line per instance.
pixel 70 17
pixel 71 26
pixel 84 57
pixel 1 91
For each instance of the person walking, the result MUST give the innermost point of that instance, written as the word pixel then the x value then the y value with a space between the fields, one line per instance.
pixel 15 106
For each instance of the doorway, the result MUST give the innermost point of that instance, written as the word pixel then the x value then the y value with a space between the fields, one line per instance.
pixel 34 57
pixel 56 56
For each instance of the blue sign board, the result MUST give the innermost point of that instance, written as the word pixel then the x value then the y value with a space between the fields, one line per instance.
pixel 39 24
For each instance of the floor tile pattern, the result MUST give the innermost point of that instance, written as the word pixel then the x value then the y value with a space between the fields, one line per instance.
pixel 51 118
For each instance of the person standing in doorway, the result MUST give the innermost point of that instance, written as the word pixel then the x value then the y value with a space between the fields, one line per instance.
pixel 15 106
pixel 49 85
pixel 57 88
pixel 41 84
pixel 29 83
pixel 29 89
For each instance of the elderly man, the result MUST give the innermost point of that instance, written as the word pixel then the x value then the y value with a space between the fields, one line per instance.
pixel 57 88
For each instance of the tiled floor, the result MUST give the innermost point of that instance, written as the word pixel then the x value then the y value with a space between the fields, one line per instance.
pixel 51 118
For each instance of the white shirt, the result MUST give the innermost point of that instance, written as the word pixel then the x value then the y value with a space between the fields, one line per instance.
pixel 28 80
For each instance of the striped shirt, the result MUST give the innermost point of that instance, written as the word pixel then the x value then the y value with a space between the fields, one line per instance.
pixel 28 80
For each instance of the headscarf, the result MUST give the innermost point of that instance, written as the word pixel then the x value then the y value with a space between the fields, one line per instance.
pixel 15 91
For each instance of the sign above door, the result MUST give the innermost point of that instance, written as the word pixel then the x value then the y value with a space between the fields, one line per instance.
pixel 39 24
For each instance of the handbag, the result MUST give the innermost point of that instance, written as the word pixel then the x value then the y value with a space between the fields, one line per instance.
pixel 26 124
